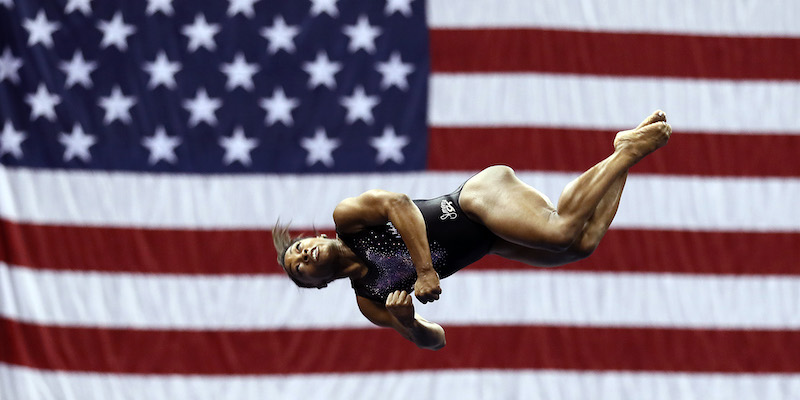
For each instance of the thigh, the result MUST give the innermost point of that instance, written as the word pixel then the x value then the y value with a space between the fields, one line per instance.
pixel 511 209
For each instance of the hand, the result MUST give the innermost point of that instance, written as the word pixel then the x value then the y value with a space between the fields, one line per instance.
pixel 427 287
pixel 400 305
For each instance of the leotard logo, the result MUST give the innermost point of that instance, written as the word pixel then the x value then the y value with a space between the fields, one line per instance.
pixel 448 211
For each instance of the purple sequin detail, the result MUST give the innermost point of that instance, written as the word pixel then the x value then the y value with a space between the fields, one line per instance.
pixel 390 264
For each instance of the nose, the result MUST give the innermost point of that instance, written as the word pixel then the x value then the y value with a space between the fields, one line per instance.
pixel 305 254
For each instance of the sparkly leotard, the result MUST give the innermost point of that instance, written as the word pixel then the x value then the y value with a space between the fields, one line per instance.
pixel 455 241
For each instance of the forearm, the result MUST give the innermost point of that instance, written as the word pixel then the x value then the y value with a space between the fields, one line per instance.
pixel 410 224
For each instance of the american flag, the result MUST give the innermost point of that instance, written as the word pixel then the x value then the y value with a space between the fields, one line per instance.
pixel 148 147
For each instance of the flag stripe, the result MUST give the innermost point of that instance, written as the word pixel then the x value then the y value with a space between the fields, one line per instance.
pixel 137 261
pixel 325 351
pixel 592 102
pixel 688 153
pixel 234 202
pixel 469 298
pixel 211 252
pixel 681 16
pixel 616 54
pixel 464 384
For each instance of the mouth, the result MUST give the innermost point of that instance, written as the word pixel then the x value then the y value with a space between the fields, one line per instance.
pixel 315 254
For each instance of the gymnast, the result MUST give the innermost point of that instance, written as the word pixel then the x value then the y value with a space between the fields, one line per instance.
pixel 389 245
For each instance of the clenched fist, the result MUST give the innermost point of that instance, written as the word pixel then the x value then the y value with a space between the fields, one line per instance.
pixel 400 305
pixel 427 287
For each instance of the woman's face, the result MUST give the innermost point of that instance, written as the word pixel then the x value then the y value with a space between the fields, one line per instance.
pixel 312 260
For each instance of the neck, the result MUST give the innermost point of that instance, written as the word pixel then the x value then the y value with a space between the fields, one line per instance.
pixel 352 266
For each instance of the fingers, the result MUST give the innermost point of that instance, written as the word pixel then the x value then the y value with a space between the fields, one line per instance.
pixel 398 298
pixel 429 295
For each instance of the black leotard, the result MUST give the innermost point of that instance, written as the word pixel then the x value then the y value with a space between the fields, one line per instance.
pixel 455 241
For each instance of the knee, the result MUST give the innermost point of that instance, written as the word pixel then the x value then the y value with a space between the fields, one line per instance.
pixel 585 245
pixel 564 234
pixel 583 250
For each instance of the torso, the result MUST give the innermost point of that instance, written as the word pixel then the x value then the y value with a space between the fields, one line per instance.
pixel 455 241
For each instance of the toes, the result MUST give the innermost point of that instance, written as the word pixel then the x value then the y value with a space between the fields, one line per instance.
pixel 656 116
pixel 667 128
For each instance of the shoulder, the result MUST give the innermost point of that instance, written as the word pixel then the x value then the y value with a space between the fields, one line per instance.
pixel 370 197
pixel 368 208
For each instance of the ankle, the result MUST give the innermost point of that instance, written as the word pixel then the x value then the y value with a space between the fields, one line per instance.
pixel 627 154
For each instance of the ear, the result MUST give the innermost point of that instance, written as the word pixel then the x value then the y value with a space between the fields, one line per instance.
pixel 324 236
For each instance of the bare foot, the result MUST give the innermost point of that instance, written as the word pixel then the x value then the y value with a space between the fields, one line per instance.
pixel 642 141
pixel 656 116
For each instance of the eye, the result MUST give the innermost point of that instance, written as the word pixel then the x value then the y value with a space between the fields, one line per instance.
pixel 297 246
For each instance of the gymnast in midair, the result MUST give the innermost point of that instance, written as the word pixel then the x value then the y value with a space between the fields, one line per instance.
pixel 390 246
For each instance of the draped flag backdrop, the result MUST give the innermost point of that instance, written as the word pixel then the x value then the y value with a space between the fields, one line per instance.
pixel 148 147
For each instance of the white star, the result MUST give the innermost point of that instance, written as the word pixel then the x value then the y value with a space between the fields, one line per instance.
pixel 117 106
pixel 43 104
pixel 40 30
pixel 80 5
pixel 9 66
pixel 389 146
pixel 394 72
pixel 241 6
pixel 161 146
pixel 320 148
pixel 115 32
pixel 362 35
pixel 11 141
pixel 154 6
pixel 239 73
pixel 201 34
pixel 162 71
pixel 202 108
pixel 279 108
pixel 78 70
pixel 321 71
pixel 77 144
pixel 238 147
pixel 403 6
pixel 280 36
pixel 324 6
pixel 359 106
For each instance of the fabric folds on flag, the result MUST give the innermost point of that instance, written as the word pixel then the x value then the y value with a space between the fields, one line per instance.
pixel 148 148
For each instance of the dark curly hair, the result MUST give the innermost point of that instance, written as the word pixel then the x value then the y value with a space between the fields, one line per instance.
pixel 284 241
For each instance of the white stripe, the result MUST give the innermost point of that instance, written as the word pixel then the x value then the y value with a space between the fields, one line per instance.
pixel 733 17
pixel 581 101
pixel 257 201
pixel 20 383
pixel 469 298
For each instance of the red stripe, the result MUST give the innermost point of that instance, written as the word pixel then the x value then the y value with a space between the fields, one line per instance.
pixel 721 253
pixel 618 54
pixel 251 252
pixel 357 350
pixel 137 250
pixel 686 153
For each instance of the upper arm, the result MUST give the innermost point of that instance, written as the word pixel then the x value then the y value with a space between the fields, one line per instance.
pixel 426 335
pixel 374 312
pixel 370 208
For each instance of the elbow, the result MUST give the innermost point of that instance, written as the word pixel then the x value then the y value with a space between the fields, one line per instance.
pixel 438 345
